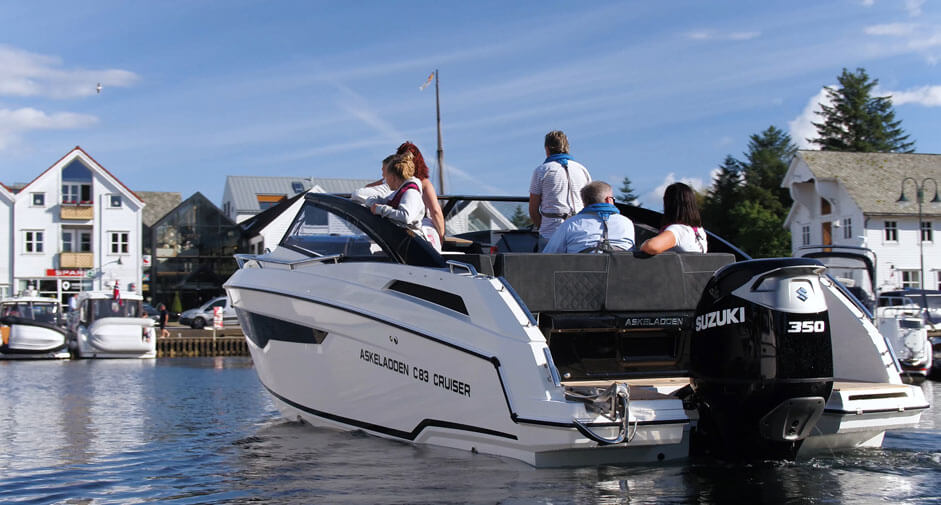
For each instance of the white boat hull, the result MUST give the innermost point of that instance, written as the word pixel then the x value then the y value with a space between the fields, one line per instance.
pixel 28 341
pixel 117 337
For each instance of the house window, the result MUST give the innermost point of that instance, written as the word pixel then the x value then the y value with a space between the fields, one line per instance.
pixel 297 186
pixel 938 287
pixel 891 231
pixel 847 227
pixel 76 193
pixel 76 241
pixel 266 202
pixel 911 279
pixel 32 241
pixel 927 234
pixel 119 241
pixel 225 209
pixel 805 235
pixel 39 199
pixel 824 207
pixel 115 201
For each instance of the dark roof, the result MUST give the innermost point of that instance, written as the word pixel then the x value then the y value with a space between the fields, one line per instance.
pixel 159 203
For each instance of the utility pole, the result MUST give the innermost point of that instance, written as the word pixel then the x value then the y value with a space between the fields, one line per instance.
pixel 440 149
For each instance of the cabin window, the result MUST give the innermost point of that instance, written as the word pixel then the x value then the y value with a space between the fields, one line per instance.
pixel 32 241
pixel 911 279
pixel 119 242
pixel 891 231
pixel 847 228
pixel 824 207
pixel 927 234
pixel 805 235
pixel 318 233
pixel 939 285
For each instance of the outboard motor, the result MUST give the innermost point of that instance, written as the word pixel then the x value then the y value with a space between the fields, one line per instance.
pixel 761 360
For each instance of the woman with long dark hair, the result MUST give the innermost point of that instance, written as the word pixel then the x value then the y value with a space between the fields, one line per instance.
pixel 681 228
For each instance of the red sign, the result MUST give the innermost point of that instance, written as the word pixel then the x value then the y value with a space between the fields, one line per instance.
pixel 65 272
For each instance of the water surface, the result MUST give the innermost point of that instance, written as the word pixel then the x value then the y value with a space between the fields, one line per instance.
pixel 203 430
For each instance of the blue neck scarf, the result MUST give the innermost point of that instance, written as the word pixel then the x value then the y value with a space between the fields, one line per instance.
pixel 561 158
pixel 602 209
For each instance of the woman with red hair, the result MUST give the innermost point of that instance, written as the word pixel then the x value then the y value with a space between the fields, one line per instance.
pixel 434 217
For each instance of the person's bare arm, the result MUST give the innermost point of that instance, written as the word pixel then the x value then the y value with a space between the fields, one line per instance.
pixel 663 241
pixel 534 215
pixel 430 197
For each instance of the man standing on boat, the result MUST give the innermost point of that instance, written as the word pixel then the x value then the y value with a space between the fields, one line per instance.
pixel 599 227
pixel 555 185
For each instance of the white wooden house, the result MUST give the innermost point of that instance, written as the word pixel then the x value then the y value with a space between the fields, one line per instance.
pixel 6 236
pixel 75 227
pixel 851 199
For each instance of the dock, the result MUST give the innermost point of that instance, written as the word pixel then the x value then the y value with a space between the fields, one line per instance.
pixel 199 343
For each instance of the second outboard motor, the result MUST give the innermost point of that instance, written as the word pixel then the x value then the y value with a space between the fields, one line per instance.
pixel 761 360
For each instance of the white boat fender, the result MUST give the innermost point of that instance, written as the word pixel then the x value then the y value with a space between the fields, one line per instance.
pixel 614 403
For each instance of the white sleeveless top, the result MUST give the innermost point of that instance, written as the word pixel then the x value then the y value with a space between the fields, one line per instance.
pixel 688 238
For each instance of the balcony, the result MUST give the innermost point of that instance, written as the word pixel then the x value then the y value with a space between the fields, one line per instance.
pixel 76 260
pixel 83 211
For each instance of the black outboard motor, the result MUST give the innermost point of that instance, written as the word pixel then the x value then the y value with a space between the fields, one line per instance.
pixel 761 359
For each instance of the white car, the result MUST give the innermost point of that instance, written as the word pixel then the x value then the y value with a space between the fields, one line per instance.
pixel 202 316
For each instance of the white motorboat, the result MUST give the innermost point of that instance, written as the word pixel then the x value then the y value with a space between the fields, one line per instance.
pixel 562 359
pixel 103 326
pixel 32 327
pixel 903 325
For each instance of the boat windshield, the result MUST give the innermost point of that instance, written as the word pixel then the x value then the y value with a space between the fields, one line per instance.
pixel 43 312
pixel 116 308
pixel 318 232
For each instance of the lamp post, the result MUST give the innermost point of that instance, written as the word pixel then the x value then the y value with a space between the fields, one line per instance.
pixel 920 194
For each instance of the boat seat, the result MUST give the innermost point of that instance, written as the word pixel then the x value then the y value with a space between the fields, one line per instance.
pixel 618 282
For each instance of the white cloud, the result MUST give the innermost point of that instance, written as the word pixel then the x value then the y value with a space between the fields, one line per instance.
pixel 654 198
pixel 914 7
pixel 714 35
pixel 13 122
pixel 929 96
pixel 892 29
pixel 801 127
pixel 30 74
pixel 868 3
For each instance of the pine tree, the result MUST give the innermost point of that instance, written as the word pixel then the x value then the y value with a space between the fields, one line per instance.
pixel 769 154
pixel 859 122
pixel 722 196
pixel 520 219
pixel 627 193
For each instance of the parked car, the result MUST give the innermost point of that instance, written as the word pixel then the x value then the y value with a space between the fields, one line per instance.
pixel 202 316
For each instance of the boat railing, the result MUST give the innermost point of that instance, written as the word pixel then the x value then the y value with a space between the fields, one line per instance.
pixel 260 260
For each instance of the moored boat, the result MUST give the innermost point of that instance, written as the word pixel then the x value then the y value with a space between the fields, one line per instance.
pixel 562 359
pixel 32 327
pixel 106 326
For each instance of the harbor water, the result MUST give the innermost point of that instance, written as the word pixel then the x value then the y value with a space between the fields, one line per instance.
pixel 204 430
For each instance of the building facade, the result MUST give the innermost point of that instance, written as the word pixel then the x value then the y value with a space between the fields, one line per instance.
pixel 75 228
pixel 6 235
pixel 852 199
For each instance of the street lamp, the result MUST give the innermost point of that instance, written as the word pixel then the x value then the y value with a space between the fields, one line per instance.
pixel 920 193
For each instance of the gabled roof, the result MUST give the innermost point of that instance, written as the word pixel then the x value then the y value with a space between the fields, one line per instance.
pixel 79 152
pixel 244 188
pixel 159 203
pixel 194 199
pixel 6 192
pixel 874 180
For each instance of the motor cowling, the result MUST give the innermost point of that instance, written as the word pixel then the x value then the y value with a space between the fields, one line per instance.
pixel 761 358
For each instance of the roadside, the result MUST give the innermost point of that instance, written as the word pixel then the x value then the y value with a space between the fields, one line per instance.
pixel 179 331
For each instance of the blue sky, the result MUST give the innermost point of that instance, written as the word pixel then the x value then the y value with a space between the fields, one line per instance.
pixel 194 91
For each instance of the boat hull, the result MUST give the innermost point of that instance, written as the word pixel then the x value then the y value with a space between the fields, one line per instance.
pixel 116 337
pixel 26 339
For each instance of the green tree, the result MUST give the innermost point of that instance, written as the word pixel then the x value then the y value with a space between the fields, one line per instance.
pixel 857 121
pixel 723 195
pixel 627 193
pixel 746 204
pixel 520 219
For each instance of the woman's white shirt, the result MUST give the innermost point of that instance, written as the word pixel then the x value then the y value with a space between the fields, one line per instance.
pixel 688 238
